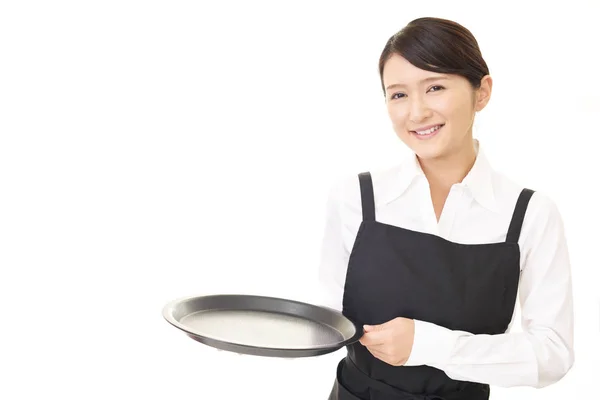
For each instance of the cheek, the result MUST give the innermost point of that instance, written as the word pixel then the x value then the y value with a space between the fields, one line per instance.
pixel 459 110
pixel 398 117
pixel 462 118
pixel 445 106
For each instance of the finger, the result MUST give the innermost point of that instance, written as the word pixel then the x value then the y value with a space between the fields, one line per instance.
pixel 378 354
pixel 369 328
pixel 373 328
pixel 373 339
pixel 380 348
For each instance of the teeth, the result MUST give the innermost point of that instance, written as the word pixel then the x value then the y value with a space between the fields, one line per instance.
pixel 428 131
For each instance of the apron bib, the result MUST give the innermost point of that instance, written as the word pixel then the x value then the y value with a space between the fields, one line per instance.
pixel 396 272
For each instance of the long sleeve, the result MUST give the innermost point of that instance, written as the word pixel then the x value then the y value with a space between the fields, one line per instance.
pixel 334 254
pixel 543 352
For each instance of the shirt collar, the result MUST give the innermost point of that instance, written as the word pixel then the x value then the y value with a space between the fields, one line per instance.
pixel 478 181
pixel 394 182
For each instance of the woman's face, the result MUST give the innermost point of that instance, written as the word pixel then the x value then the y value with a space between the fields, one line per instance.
pixel 432 113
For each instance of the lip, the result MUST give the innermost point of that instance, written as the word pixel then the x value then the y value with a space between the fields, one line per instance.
pixel 429 135
pixel 424 128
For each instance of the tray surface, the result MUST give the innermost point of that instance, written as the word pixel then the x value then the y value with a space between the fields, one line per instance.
pixel 260 325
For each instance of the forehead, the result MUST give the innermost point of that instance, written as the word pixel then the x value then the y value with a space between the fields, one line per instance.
pixel 398 71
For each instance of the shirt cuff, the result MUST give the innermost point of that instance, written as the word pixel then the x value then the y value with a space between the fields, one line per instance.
pixel 433 344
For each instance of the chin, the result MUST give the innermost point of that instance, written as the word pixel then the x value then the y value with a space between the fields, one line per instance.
pixel 429 154
pixel 429 148
pixel 426 150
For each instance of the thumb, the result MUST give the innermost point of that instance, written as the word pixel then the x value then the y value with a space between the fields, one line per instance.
pixel 371 328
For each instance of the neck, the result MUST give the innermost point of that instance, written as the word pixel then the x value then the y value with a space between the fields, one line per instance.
pixel 445 171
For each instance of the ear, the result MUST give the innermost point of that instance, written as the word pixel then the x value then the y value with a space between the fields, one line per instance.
pixel 483 94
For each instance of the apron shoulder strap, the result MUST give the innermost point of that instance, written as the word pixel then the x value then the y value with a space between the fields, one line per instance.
pixel 367 196
pixel 514 230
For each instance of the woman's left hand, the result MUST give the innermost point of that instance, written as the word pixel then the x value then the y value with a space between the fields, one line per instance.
pixel 390 342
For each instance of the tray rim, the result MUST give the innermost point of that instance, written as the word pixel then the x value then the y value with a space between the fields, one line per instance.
pixel 261 350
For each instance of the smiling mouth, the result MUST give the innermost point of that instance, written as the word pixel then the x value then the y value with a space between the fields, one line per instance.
pixel 427 133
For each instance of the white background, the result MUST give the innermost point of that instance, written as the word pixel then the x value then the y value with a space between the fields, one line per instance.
pixel 151 150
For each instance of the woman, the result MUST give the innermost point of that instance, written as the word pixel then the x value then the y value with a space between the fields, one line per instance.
pixel 430 256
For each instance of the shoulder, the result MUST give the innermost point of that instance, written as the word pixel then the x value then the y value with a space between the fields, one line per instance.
pixel 345 189
pixel 542 212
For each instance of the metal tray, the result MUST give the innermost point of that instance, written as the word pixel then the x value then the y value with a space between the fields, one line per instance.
pixel 262 326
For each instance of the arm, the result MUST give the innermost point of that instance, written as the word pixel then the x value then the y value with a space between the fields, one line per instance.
pixel 334 254
pixel 540 355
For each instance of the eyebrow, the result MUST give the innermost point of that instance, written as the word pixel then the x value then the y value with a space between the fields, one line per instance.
pixel 431 78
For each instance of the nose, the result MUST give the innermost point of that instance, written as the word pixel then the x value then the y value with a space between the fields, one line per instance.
pixel 418 110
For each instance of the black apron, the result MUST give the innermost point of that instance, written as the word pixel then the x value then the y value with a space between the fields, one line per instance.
pixel 396 272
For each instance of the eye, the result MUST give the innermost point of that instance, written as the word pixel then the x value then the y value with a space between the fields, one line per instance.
pixel 397 96
pixel 437 88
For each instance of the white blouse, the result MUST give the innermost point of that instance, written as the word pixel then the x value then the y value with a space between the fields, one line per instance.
pixel 477 210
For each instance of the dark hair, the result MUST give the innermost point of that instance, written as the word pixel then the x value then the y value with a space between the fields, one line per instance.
pixel 438 45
